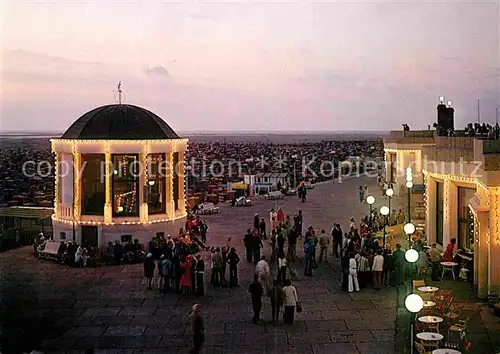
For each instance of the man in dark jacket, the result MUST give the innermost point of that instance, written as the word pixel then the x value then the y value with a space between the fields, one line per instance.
pixel 233 259
pixel 200 271
pixel 256 245
pixel 198 329
pixel 247 241
pixel 276 297
pixel 256 291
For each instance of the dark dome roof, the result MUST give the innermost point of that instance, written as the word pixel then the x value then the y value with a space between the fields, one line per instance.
pixel 119 122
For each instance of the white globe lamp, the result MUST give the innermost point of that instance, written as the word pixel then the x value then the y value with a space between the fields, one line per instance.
pixel 409 228
pixel 384 210
pixel 389 192
pixel 409 178
pixel 409 184
pixel 411 255
pixel 370 199
pixel 408 171
pixel 414 303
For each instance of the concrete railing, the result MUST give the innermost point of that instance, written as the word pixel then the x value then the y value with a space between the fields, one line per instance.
pixel 447 154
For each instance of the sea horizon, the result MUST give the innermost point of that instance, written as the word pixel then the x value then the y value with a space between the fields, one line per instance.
pixel 40 134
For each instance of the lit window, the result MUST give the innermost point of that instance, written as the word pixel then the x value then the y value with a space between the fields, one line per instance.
pixel 126 185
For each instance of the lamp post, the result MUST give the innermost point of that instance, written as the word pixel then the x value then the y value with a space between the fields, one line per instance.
pixel 409 229
pixel 384 211
pixel 409 186
pixel 370 200
pixel 389 193
pixel 413 302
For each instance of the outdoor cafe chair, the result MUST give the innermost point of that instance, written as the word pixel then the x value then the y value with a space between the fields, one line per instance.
pixel 459 327
pixel 420 348
pixel 454 313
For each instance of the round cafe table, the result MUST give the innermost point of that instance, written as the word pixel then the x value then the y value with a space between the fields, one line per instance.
pixel 445 351
pixel 430 319
pixel 430 336
pixel 448 267
pixel 429 304
pixel 428 289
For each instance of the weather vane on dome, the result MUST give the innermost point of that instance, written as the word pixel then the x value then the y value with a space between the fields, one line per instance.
pixel 120 92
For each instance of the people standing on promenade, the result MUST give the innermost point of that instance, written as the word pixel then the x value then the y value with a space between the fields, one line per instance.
pixel 256 291
pixel 361 192
pixel 388 266
pixel 290 302
pixel 256 247
pixel 308 255
pixel 216 267
pixel 256 222
pixel 297 221
pixel 263 272
pixel 364 270
pixel 336 234
pixel 187 276
pixel 280 240
pixel 248 243
pixel 273 219
pixel 280 216
pixel 324 242
pixel 353 274
pixel 276 297
pixel 149 269
pixel 225 251
pixel 233 259
pixel 378 270
pixel 292 245
pixel 198 329
pixel 282 265
pixel 262 229
pixel 200 275
pixel 399 265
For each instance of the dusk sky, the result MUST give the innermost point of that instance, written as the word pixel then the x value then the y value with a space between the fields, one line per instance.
pixel 268 66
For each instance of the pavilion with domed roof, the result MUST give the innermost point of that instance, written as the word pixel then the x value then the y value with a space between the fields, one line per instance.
pixel 119 177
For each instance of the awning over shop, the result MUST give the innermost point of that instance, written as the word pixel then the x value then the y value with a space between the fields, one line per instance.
pixel 239 185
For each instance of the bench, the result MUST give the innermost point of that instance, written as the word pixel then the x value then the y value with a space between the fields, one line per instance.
pixel 274 195
pixel 207 208
pixel 50 250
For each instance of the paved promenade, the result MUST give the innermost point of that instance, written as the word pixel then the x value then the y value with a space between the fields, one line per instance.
pixel 60 309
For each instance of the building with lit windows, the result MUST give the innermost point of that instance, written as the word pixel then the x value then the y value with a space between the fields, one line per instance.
pixel 461 177
pixel 119 177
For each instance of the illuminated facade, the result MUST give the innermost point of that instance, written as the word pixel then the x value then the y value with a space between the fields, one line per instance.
pixel 119 177
pixel 461 176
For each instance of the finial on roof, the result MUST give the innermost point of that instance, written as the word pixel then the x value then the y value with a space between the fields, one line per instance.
pixel 120 92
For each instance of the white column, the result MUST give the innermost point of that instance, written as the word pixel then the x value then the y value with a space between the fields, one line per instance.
pixel 431 207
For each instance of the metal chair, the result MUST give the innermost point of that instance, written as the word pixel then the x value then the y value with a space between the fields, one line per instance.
pixel 420 348
pixel 430 344
pixel 459 327
pixel 453 313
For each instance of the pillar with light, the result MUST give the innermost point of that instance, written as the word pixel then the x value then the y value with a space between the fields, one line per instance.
pixel 409 186
pixel 370 200
pixel 384 210
pixel 389 193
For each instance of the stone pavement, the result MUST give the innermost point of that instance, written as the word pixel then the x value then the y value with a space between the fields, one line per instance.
pixel 59 309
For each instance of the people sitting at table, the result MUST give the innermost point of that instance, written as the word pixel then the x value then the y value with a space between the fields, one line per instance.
pixel 435 259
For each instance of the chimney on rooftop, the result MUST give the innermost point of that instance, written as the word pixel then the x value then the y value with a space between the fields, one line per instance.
pixel 446 115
